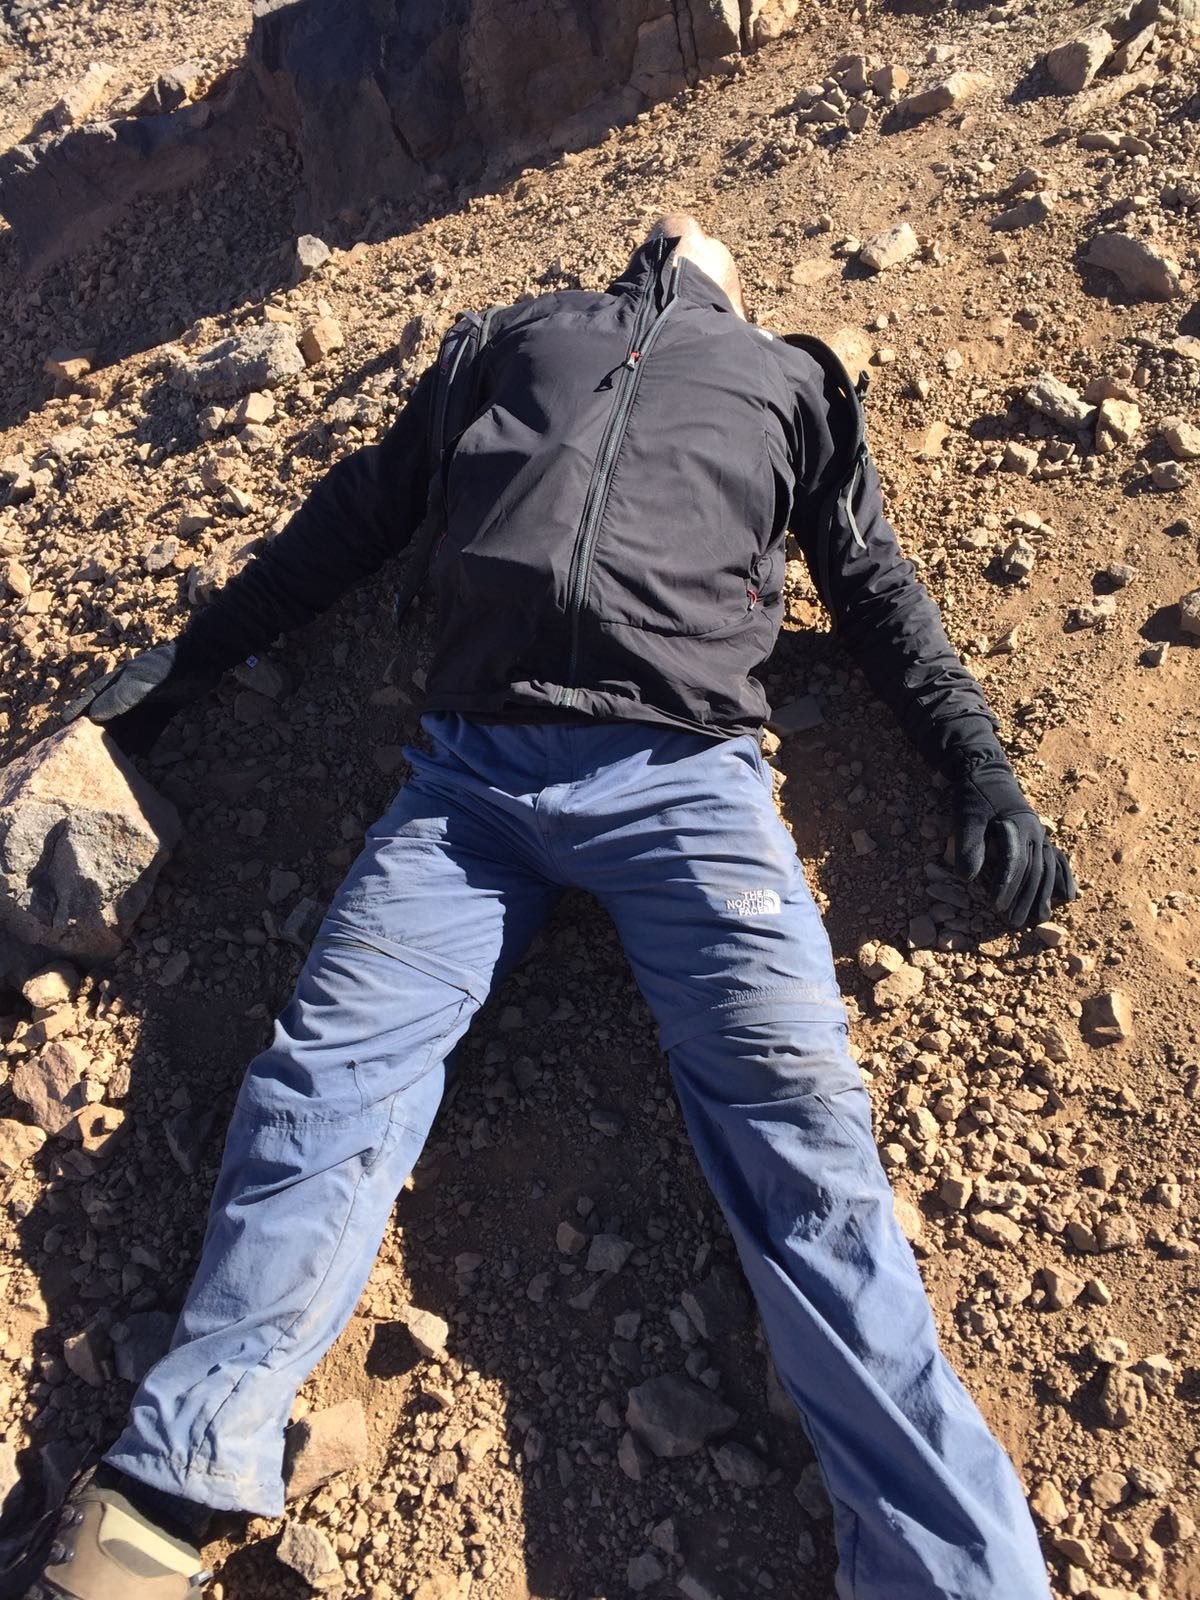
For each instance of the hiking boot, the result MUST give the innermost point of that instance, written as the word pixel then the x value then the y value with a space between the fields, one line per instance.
pixel 106 1549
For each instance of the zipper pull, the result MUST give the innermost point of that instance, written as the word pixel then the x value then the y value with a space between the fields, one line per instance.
pixel 752 597
pixel 632 359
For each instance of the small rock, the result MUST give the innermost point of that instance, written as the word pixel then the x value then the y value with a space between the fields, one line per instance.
pixel 878 960
pixel 1093 613
pixel 948 95
pixel 797 716
pixel 675 1417
pixel 811 1493
pixel 1073 65
pixel 70 367
pixel 633 1458
pixel 147 1339
pixel 52 986
pixel 17 477
pixel 1189 613
pixel 1182 439
pixel 16 579
pixel 1157 1373
pixel 178 85
pixel 1018 560
pixel 18 1142
pixel 1176 1527
pixel 1063 1288
pixel 1152 1482
pixel 311 255
pixel 1059 402
pixel 643 1572
pixel 1168 476
pixel 307 1551
pixel 186 1134
pixel 281 885
pixel 1109 1017
pixel 252 410
pixel 719 1305
pixel 321 340
pixel 569 1239
pixel 608 1253
pixel 889 248
pixel 85 95
pixel 994 1228
pixel 692 1587
pixel 254 359
pixel 443 1585
pixel 908 1218
pixel 161 555
pixel 323 1444
pixel 1047 1503
pixel 428 1331
pixel 1155 654
pixel 736 1464
pixel 1107 1489
pixel 1141 268
pixel 1027 214
pixel 955 1193
pixel 1123 1398
pixel 1117 423
pixel 1119 1232
pixel 1020 458
pixel 899 988
pixel 85 1353
pixel 51 1084
pixel 1110 1351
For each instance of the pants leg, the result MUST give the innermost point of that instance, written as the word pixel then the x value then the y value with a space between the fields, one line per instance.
pixel 730 952
pixel 328 1124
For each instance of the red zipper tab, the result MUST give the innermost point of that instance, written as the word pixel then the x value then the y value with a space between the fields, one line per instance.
pixel 633 358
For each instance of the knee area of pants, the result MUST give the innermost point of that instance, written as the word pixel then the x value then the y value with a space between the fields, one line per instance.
pixel 764 1063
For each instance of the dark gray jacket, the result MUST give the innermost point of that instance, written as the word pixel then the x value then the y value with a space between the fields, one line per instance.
pixel 615 523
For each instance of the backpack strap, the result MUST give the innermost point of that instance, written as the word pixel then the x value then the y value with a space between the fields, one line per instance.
pixel 848 425
pixel 455 398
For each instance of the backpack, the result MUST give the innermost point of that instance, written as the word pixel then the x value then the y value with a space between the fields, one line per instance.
pixel 455 398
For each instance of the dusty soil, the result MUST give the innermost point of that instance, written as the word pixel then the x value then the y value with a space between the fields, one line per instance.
pixel 993 1096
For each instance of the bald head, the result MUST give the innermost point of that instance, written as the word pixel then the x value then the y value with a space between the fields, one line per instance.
pixel 710 255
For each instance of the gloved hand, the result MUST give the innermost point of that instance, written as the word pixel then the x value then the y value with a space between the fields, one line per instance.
pixel 999 835
pixel 136 700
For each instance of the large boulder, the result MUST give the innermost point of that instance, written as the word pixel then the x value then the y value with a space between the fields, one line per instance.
pixel 383 98
pixel 379 99
pixel 82 838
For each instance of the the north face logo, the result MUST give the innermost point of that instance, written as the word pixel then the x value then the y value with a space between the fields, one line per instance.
pixel 755 903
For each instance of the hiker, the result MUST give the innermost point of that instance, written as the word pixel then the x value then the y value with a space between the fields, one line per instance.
pixel 606 480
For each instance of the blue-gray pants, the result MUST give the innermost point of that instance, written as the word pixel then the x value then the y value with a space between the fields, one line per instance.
pixel 678 837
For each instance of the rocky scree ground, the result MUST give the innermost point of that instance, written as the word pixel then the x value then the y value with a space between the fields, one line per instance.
pixel 554 1385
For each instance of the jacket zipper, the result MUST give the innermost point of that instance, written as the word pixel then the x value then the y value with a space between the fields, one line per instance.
pixel 596 498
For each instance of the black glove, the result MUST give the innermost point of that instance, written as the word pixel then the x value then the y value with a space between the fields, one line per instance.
pixel 999 835
pixel 136 700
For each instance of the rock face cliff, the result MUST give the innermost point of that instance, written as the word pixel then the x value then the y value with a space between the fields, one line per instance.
pixel 387 99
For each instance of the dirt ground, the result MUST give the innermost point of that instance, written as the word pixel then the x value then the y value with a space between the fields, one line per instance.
pixel 1047 1170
